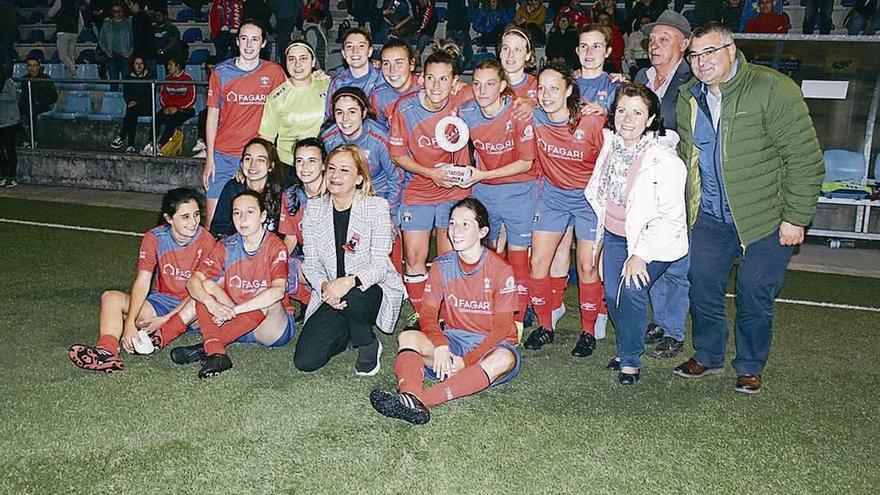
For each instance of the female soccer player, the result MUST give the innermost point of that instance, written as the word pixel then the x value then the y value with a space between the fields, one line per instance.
pixel 398 64
pixel 356 51
pixel 476 289
pixel 347 241
pixel 504 179
pixel 568 144
pixel 238 289
pixel 637 191
pixel 295 110
pixel 596 88
pixel 428 194
pixel 517 56
pixel 171 252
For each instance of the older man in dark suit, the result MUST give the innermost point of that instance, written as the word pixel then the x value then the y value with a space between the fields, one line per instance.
pixel 667 43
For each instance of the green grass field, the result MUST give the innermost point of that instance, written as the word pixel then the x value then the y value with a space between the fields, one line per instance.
pixel 563 426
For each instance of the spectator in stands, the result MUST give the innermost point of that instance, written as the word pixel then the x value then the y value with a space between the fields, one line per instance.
pixel 635 56
pixel 9 120
pixel 167 39
pixel 643 8
pixel 706 11
pixel 316 36
pixel 618 17
pixel 142 35
pixel 139 103
pixel 490 19
pixel 458 27
pixel 425 15
pixel 733 11
pixel 260 10
pixel 40 98
pixel 200 147
pixel 94 13
pixel 818 11
pixel 8 34
pixel 576 15
pixel 178 105
pixel 363 12
pixel 614 62
pixel 309 7
pixel 767 21
pixel 115 41
pixel 397 19
pixel 531 16
pixel 288 16
pixel 863 17
pixel 562 41
pixel 67 22
pixel 225 19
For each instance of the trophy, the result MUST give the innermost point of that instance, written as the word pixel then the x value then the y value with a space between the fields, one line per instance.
pixel 454 173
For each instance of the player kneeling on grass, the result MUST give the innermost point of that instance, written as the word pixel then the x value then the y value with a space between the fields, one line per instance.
pixel 476 348
pixel 238 289
pixel 162 311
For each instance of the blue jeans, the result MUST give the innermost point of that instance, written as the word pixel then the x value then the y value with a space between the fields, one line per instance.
pixel 822 9
pixel 629 312
pixel 117 68
pixel 858 23
pixel 463 39
pixel 669 298
pixel 714 246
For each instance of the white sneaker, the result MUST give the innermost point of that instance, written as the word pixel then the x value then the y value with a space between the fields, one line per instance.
pixel 557 315
pixel 131 149
pixel 200 146
pixel 10 183
pixel 600 326
pixel 116 143
pixel 2 182
pixel 201 154
pixel 148 150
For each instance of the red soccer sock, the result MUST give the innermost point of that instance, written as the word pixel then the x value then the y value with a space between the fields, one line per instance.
pixel 468 381
pixel 415 287
pixel 397 254
pixel 109 343
pixel 218 337
pixel 409 368
pixel 519 261
pixel 557 286
pixel 539 289
pixel 173 328
pixel 590 294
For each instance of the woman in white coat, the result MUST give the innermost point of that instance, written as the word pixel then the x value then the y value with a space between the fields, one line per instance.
pixel 637 192
pixel 346 244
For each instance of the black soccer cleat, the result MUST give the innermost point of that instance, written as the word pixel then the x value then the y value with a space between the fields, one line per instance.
pixel 585 346
pixel 188 354
pixel 214 365
pixel 400 406
pixel 539 338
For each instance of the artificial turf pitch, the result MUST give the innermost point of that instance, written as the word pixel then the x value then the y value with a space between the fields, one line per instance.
pixel 563 426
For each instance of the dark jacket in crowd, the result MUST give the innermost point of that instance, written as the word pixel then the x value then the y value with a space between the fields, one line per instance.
pixel 140 93
pixel 458 15
pixel 561 44
pixel 142 36
pixel 44 94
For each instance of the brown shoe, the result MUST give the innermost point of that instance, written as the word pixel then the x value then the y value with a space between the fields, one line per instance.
pixel 748 384
pixel 693 369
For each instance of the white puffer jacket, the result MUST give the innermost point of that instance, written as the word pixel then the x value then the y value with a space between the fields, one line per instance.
pixel 656 224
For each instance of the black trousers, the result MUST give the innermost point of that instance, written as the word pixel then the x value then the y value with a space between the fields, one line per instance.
pixel 130 122
pixel 8 157
pixel 167 124
pixel 328 331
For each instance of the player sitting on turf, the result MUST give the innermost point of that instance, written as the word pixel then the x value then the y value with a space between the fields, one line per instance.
pixel 476 349
pixel 238 289
pixel 175 247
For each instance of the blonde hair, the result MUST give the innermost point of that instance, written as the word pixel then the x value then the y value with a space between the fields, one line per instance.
pixel 360 161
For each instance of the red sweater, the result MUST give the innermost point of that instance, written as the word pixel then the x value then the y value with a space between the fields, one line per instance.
pixel 180 96
pixel 768 23
pixel 227 13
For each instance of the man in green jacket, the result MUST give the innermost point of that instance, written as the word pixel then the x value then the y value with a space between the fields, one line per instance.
pixel 754 173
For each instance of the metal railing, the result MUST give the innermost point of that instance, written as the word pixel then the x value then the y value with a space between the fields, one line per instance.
pixel 154 85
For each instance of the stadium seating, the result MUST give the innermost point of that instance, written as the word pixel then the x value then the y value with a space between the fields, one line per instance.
pixel 192 35
pixel 844 166
pixel 112 108
pixel 186 15
pixel 198 57
pixel 55 71
pixel 195 72
pixel 87 36
pixel 19 70
pixel 79 104
pixel 160 71
pixel 35 36
pixel 86 57
pixel 36 17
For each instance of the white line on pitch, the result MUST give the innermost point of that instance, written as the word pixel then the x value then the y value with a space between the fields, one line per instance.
pixel 136 234
pixel 71 227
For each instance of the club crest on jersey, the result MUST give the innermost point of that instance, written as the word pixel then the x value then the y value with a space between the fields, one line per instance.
pixel 487 284
pixel 282 256
pixel 528 133
pixel 508 126
pixel 509 286
pixel 264 81
pixel 579 135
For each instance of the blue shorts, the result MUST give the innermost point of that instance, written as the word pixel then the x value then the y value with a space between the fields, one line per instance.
pixel 289 330
pixel 463 341
pixel 423 218
pixel 225 167
pixel 560 208
pixel 162 303
pixel 512 205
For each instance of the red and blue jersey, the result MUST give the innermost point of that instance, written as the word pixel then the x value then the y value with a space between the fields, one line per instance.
pixel 367 83
pixel 527 88
pixel 501 140
pixel 373 141
pixel 567 158
pixel 470 299
pixel 246 274
pixel 384 98
pixel 240 96
pixel 293 207
pixel 172 262
pixel 598 90
pixel 412 133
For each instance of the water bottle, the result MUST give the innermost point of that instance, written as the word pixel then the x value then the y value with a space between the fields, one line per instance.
pixel 841 243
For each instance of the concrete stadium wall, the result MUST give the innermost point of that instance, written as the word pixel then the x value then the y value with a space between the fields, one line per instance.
pixel 108 171
pixel 87 135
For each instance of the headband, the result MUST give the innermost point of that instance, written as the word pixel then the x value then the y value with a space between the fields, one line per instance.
pixel 302 44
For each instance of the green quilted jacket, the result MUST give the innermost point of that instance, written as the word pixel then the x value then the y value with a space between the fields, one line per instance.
pixel 771 163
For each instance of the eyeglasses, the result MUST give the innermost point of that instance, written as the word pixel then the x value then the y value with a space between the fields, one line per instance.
pixel 691 56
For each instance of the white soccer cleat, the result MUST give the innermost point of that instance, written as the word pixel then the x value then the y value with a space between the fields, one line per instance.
pixel 142 343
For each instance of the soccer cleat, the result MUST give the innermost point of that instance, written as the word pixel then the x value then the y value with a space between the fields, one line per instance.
pixel 539 338
pixel 557 315
pixel 94 359
pixel 412 323
pixel 585 346
pixel 367 363
pixel 400 406
pixel 613 365
pixel 188 354
pixel 116 143
pixel 214 365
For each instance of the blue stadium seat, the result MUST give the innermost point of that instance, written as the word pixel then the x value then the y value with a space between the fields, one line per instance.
pixel 87 36
pixel 52 113
pixel 441 14
pixel 195 72
pixel 37 53
pixel 844 165
pixel 19 70
pixel 198 57
pixel 86 56
pixel 36 18
pixel 35 36
pixel 192 35
pixel 186 15
pixel 160 71
pixel 55 71
pixel 79 104
pixel 689 15
pixel 112 108
pixel 54 59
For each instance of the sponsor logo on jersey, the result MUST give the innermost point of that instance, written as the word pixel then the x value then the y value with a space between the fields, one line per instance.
pixel 589 306
pixel 426 142
pixel 469 305
pixel 494 148
pixel 247 286
pixel 528 133
pixel 245 99
pixel 508 126
pixel 169 269
pixel 395 141
pixel 561 151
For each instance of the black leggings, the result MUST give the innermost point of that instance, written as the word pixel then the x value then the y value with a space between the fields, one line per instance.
pixel 328 331
pixel 130 122
pixel 8 158
pixel 171 123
